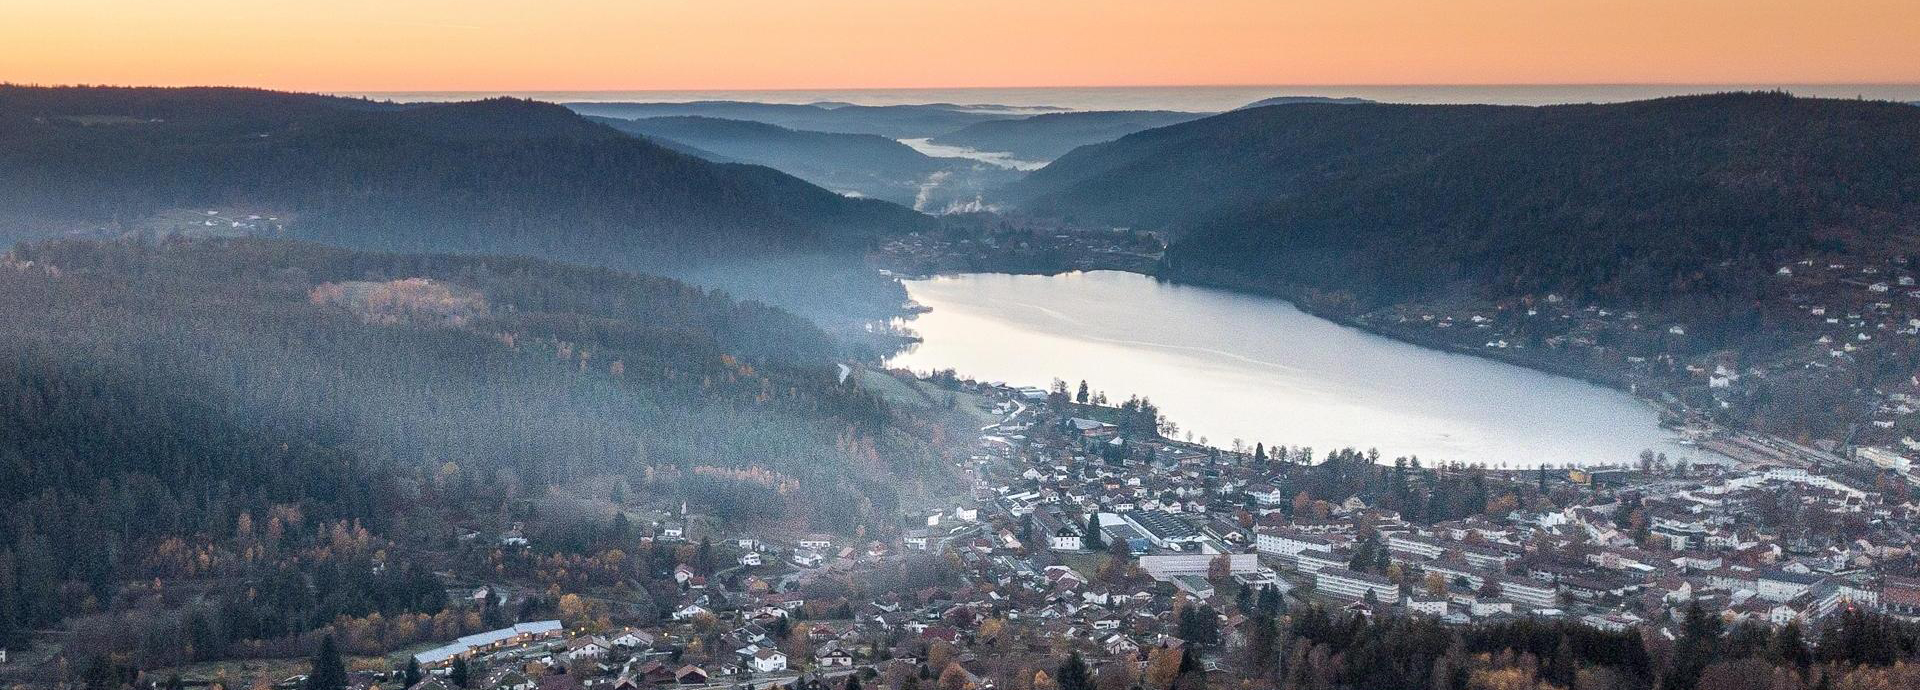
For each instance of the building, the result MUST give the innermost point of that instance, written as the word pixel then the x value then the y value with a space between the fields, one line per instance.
pixel 1432 606
pixel 1415 545
pixel 1342 582
pixel 1066 539
pixel 1530 593
pixel 833 656
pixel 769 661
pixel 1314 561
pixel 1168 566
pixel 1780 585
pixel 1288 544
pixel 1163 529
pixel 490 640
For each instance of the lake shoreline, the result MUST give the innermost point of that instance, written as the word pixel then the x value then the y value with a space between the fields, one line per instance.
pixel 1249 289
pixel 1402 403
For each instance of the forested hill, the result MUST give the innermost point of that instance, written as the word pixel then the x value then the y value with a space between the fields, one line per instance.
pixel 237 410
pixel 1626 202
pixel 500 175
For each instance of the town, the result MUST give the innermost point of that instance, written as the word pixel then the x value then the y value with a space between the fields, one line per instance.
pixel 1088 536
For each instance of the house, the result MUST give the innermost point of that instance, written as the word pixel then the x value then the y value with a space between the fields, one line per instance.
pixel 1266 495
pixel 833 656
pixel 630 638
pixel 690 611
pixel 582 648
pixel 690 675
pixel 769 661
pixel 654 673
pixel 1091 428
pixel 1066 539
pixel 751 559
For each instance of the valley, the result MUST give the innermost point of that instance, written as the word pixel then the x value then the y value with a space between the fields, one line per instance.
pixel 505 394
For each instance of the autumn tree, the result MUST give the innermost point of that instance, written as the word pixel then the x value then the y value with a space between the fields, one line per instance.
pixel 1163 665
pixel 953 678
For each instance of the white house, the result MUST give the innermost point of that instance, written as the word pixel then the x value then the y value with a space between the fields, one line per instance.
pixel 769 661
pixel 1066 539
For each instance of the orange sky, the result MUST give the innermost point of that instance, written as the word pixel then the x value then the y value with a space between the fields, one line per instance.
pixel 372 45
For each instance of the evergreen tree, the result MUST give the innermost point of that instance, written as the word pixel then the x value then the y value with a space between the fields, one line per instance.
pixel 458 674
pixel 853 681
pixel 1091 540
pixel 1073 674
pixel 1789 648
pixel 411 676
pixel 328 671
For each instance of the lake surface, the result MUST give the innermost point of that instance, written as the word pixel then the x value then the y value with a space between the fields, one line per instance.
pixel 1225 365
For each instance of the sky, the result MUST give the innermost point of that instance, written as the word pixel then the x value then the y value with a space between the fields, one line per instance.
pixel 492 45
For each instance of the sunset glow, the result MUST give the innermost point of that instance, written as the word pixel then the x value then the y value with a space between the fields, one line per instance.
pixel 368 45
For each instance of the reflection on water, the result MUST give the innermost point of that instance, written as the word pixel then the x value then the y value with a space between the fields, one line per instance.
pixel 1226 366
pixel 995 158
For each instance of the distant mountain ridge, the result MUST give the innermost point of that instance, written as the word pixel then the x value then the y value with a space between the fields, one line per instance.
pixel 1049 136
pixel 867 164
pixel 1290 100
pixel 1628 202
pixel 891 121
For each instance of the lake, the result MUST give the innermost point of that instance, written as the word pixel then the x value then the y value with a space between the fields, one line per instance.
pixel 1227 366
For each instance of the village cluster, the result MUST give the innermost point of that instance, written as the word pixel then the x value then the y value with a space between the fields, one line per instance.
pixel 1090 536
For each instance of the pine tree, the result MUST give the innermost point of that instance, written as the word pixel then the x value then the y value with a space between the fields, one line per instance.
pixel 328 672
pixel 1091 540
pixel 411 676
pixel 1073 674
pixel 458 674
pixel 853 681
